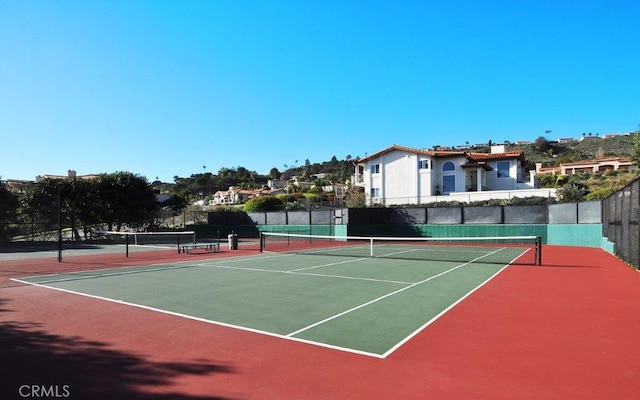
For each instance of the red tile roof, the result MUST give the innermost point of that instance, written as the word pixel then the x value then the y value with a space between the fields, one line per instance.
pixel 495 156
pixel 473 157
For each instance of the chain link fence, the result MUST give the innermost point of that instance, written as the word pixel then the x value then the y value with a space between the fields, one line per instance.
pixel 620 222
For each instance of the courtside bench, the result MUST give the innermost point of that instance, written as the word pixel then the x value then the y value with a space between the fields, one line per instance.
pixel 205 247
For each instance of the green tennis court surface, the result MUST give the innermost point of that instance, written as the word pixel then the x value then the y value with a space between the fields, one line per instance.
pixel 365 305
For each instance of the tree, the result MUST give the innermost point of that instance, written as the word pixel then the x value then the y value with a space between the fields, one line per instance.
pixel 274 173
pixel 355 197
pixel 541 144
pixel 126 199
pixel 176 203
pixel 8 211
pixel 73 199
pixel 635 154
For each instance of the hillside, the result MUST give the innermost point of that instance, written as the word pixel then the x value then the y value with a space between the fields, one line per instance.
pixel 556 153
pixel 588 186
pixel 549 153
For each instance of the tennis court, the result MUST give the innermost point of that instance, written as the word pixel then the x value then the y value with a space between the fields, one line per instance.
pixel 365 305
pixel 332 323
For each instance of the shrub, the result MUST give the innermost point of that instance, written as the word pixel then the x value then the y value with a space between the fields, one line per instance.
pixel 528 201
pixel 600 194
pixel 288 198
pixel 570 192
pixel 547 180
pixel 313 196
pixel 489 202
pixel 293 206
pixel 227 209
pixel 263 203
pixel 438 204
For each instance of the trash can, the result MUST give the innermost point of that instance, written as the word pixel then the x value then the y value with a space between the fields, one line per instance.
pixel 233 241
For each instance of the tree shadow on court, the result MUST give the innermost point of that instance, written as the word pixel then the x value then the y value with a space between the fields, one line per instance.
pixel 89 369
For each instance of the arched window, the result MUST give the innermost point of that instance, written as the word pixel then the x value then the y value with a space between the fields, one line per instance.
pixel 448 166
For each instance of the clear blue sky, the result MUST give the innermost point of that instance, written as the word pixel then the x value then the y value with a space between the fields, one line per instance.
pixel 163 88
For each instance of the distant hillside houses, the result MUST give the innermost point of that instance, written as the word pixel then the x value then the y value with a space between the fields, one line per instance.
pixel 71 174
pixel 18 186
pixel 237 196
pixel 274 187
pixel 587 166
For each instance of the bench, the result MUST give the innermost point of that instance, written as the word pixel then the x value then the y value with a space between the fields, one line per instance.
pixel 206 247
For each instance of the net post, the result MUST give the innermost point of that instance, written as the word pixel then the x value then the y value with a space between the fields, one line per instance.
pixel 126 245
pixel 261 242
pixel 371 247
pixel 178 244
pixel 538 250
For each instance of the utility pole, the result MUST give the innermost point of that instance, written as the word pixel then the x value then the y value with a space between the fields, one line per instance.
pixel 59 224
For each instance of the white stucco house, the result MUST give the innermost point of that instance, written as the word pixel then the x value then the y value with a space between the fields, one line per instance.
pixel 237 196
pixel 404 175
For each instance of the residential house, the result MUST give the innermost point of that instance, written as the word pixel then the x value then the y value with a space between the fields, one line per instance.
pixel 294 181
pixel 587 166
pixel 404 175
pixel 336 191
pixel 277 183
pixel 237 196
pixel 17 186
pixel 71 174
pixel 589 137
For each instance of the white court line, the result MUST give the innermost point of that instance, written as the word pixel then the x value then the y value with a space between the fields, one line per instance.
pixel 388 295
pixel 178 264
pixel 276 271
pixel 440 314
pixel 77 276
pixel 432 320
pixel 290 335
pixel 212 322
pixel 329 264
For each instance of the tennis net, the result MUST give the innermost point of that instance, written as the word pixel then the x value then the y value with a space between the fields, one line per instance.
pixel 167 239
pixel 500 250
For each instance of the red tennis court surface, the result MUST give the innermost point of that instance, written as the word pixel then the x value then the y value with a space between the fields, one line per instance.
pixel 566 330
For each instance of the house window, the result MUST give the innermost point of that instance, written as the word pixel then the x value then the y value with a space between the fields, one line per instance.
pixel 448 166
pixel 448 183
pixel 423 164
pixel 375 168
pixel 503 169
pixel 375 192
